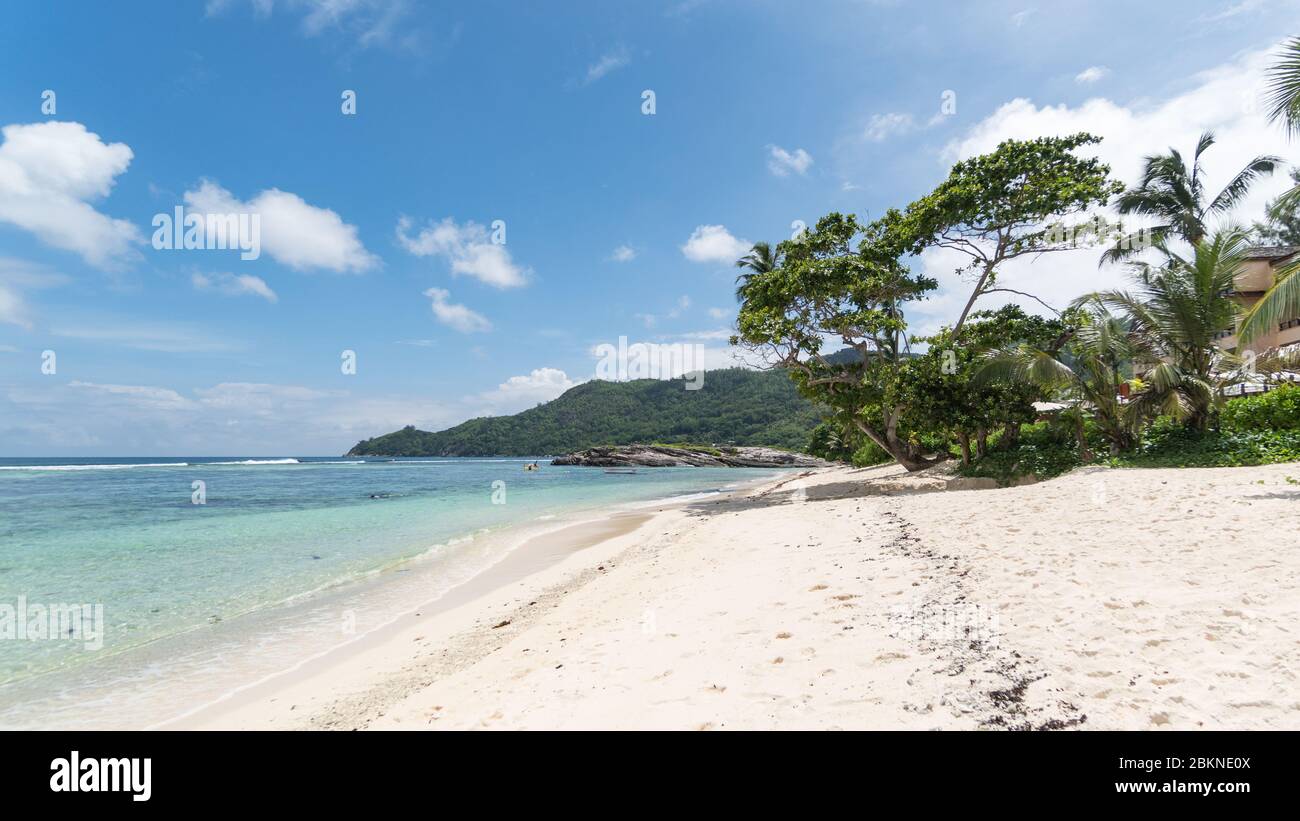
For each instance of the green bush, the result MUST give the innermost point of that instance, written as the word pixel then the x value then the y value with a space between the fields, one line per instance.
pixel 1045 450
pixel 1279 409
pixel 1167 444
pixel 870 454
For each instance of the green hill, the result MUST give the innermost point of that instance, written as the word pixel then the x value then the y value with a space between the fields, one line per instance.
pixel 734 406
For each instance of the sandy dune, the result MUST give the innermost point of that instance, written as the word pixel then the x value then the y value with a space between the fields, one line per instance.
pixel 1105 599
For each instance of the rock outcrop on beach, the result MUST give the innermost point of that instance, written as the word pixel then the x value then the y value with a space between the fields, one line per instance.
pixel 665 456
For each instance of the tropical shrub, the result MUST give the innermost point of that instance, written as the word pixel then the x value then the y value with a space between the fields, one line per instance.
pixel 1279 409
pixel 870 454
pixel 1170 444
pixel 1044 450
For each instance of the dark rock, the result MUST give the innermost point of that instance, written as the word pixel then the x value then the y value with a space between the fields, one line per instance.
pixel 655 456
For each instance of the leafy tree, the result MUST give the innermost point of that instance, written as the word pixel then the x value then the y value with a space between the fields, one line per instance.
pixel 993 208
pixel 943 396
pixel 839 282
pixel 1174 195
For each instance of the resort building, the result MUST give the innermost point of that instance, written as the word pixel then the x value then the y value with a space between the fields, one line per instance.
pixel 1258 275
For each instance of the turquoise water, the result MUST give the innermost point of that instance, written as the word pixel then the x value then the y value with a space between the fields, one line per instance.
pixel 127 535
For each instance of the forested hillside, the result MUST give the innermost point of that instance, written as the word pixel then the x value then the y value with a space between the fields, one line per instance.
pixel 734 406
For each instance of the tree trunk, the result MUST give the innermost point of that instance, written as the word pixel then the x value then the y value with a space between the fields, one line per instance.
pixel 982 442
pixel 964 439
pixel 1082 439
pixel 902 452
pixel 1011 436
pixel 979 289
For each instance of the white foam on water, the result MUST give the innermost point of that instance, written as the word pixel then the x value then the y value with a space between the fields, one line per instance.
pixel 95 467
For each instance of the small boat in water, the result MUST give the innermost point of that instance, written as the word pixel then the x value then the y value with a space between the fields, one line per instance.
pixel 620 470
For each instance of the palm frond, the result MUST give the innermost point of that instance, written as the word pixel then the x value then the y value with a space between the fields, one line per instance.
pixel 1284 88
pixel 1234 192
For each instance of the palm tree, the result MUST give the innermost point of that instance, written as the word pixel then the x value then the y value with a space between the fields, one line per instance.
pixel 1174 195
pixel 1282 300
pixel 1284 87
pixel 1090 373
pixel 761 259
pixel 1175 316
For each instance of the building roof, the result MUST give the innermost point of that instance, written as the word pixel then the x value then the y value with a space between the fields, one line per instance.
pixel 1272 253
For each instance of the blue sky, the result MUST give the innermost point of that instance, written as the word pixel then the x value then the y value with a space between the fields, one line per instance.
pixel 617 223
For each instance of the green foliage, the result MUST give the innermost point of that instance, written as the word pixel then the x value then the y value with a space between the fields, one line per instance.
pixel 870 454
pixel 941 393
pixel 837 282
pixel 993 207
pixel 1044 451
pixel 734 406
pixel 1279 409
pixel 1169 444
pixel 1172 194
pixel 828 442
pixel 1284 87
pixel 1175 313
pixel 1282 223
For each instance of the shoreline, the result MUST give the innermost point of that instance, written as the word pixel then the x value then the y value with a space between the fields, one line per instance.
pixel 536 558
pixel 159 681
pixel 814 602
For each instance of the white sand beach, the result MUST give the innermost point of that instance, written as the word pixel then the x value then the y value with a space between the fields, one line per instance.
pixel 1105 599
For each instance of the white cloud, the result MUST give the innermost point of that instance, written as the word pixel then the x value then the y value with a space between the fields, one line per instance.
pixel 371 22
pixel 714 243
pixel 521 392
pixel 468 248
pixel 159 398
pixel 1019 18
pixel 144 336
pixel 716 335
pixel 456 316
pixel 13 310
pixel 883 126
pixel 719 313
pixel 49 174
pixel 1224 99
pixel 16 276
pixel 1234 10
pixel 1091 74
pixel 237 418
pixel 293 232
pixel 781 162
pixel 623 253
pixel 611 61
pixel 234 285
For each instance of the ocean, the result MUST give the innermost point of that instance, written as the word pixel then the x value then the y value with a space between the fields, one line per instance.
pixel 206 571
